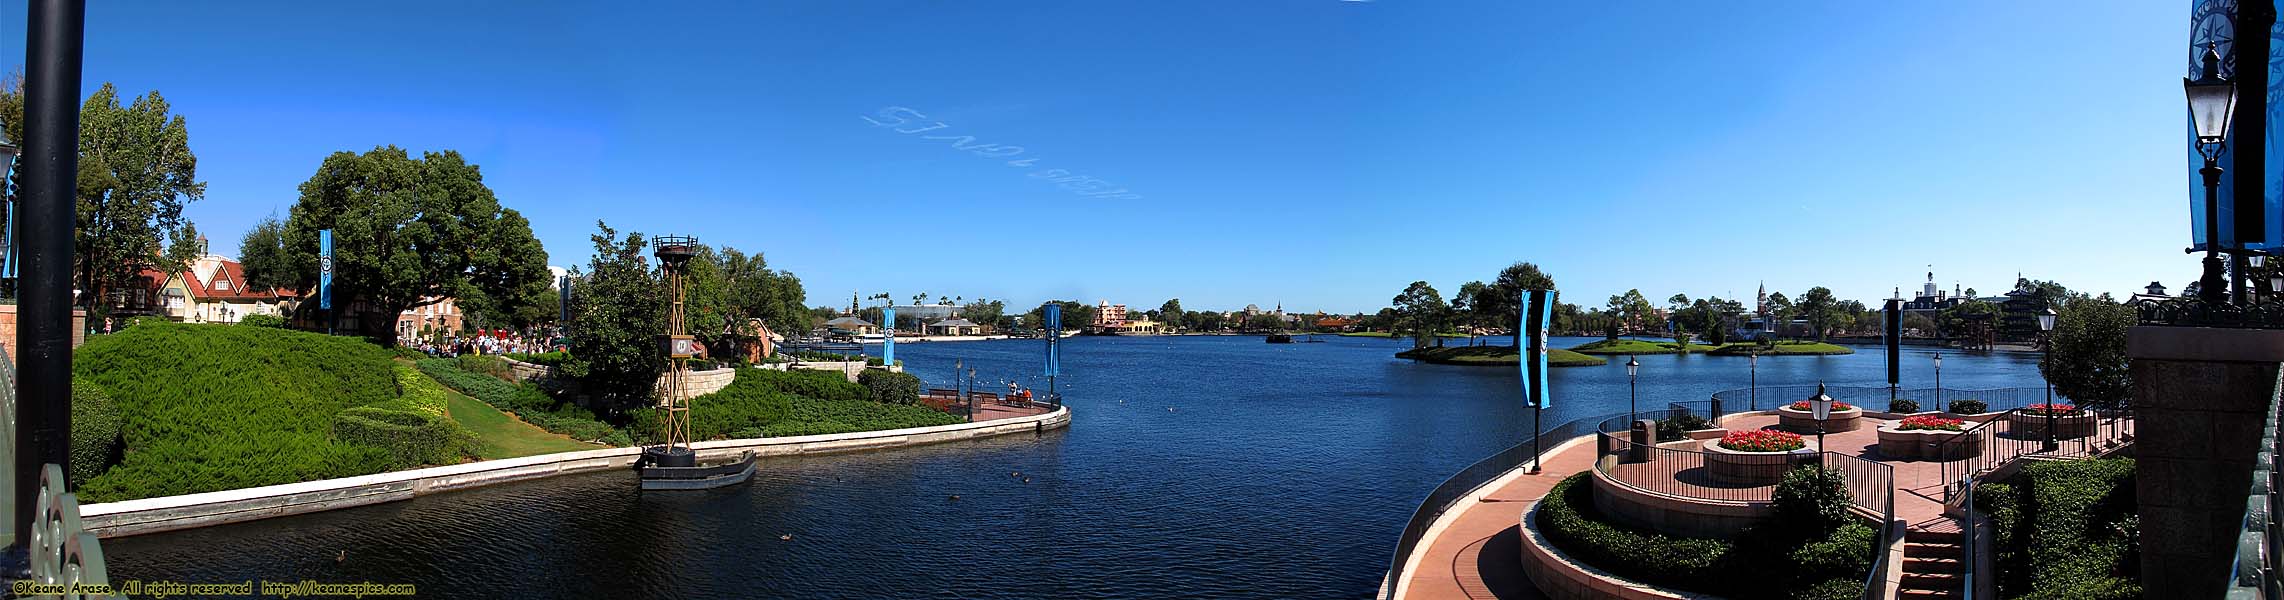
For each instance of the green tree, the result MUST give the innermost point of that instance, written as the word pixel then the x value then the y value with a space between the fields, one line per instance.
pixel 1821 309
pixel 618 311
pixel 984 312
pixel 136 172
pixel 262 254
pixel 1781 313
pixel 2086 358
pixel 1265 322
pixel 1632 308
pixel 1502 300
pixel 1206 320
pixel 1463 308
pixel 1171 313
pixel 1424 314
pixel 410 232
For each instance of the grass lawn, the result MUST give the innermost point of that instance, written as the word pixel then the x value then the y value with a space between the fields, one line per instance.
pixel 1494 356
pixel 1629 346
pixel 1783 348
pixel 502 436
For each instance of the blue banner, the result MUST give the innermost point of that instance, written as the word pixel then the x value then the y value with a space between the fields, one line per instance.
pixel 888 336
pixel 325 269
pixel 1054 327
pixel 1537 318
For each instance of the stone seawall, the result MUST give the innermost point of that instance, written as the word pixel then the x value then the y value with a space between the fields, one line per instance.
pixel 168 513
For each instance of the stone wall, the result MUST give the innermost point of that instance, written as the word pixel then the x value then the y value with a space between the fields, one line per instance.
pixel 8 329
pixel 150 515
pixel 2200 397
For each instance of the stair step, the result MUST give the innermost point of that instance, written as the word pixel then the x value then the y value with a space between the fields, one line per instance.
pixel 1933 550
pixel 1933 580
pixel 1903 593
pixel 1930 564
pixel 1922 535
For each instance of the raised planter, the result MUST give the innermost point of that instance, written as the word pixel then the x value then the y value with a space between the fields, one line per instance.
pixel 1737 467
pixel 2026 425
pixel 1927 444
pixel 1801 421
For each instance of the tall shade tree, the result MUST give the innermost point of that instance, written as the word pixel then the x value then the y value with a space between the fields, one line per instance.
pixel 1463 307
pixel 136 172
pixel 1821 309
pixel 410 232
pixel 1423 313
pixel 1171 313
pixel 2086 359
pixel 1633 308
pixel 618 311
pixel 1502 300
pixel 262 253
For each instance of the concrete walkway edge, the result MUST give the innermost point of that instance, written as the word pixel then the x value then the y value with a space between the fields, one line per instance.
pixel 167 513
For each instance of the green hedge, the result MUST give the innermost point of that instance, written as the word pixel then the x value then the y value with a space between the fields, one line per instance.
pixel 526 401
pixel 485 364
pixel 1830 566
pixel 543 358
pixel 768 403
pixel 96 442
pixel 415 428
pixel 808 383
pixel 2067 529
pixel 888 387
pixel 1969 406
pixel 217 407
pixel 263 321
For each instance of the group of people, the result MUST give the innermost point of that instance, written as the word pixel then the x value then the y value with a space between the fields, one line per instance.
pixel 487 344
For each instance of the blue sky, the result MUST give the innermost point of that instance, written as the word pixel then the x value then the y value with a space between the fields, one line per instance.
pixel 1318 153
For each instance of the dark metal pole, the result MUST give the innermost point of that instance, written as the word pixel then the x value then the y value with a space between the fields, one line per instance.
pixel 1536 445
pixel 2050 443
pixel 2212 288
pixel 51 174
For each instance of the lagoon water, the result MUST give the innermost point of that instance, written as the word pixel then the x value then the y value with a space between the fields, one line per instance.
pixel 1214 467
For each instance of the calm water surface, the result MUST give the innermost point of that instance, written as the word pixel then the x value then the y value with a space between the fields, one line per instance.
pixel 1217 467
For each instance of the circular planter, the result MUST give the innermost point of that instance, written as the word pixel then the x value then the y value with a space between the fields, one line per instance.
pixel 1737 467
pixel 1927 444
pixel 1801 421
pixel 2020 424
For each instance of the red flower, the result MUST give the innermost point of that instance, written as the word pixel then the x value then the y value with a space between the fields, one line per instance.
pixel 1804 405
pixel 2056 409
pixel 1929 422
pixel 1763 440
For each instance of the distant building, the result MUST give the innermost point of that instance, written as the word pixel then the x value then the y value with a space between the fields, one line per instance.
pixel 1932 300
pixel 954 327
pixel 1109 316
pixel 441 315
pixel 853 325
pixel 1142 326
pixel 212 290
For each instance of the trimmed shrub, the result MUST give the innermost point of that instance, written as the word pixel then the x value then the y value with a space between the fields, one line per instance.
pixel 1569 520
pixel 485 365
pixel 263 321
pixel 2079 516
pixel 1672 429
pixel 1969 407
pixel 1903 405
pixel 524 400
pixel 806 383
pixel 415 428
pixel 96 442
pixel 766 403
pixel 888 387
pixel 208 407
pixel 1811 501
pixel 543 358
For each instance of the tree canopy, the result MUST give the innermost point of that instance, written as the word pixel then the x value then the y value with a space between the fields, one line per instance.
pixel 410 232
pixel 2086 357
pixel 136 172
pixel 1501 302
pixel 617 312
pixel 1423 313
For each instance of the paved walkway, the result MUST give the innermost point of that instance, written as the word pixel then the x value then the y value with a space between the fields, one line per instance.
pixel 1477 553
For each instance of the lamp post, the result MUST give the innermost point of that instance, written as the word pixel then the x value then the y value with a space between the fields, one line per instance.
pixel 2046 328
pixel 1753 396
pixel 2212 104
pixel 971 394
pixel 1633 367
pixel 1820 406
pixel 1938 382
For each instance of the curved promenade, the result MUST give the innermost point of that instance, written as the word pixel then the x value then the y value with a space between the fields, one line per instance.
pixel 167 513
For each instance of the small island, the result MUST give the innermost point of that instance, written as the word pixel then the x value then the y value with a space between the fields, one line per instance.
pixel 1629 346
pixel 1495 356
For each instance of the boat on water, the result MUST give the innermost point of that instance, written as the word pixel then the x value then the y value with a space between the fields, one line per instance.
pixel 1280 338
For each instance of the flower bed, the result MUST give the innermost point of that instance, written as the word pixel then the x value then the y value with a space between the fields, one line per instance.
pixel 1807 407
pixel 1798 418
pixel 1929 423
pixel 1929 437
pixel 2068 421
pixel 1755 457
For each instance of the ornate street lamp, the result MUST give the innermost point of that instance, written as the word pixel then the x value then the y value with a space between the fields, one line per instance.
pixel 2046 328
pixel 1633 367
pixel 1938 382
pixel 1820 406
pixel 2212 106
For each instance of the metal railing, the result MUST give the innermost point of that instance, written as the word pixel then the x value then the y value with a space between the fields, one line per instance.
pixel 1875 397
pixel 2260 545
pixel 63 554
pixel 2020 434
pixel 2193 312
pixel 1466 481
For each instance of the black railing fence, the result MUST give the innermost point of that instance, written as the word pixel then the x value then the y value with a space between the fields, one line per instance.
pixel 2023 434
pixel 1875 397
